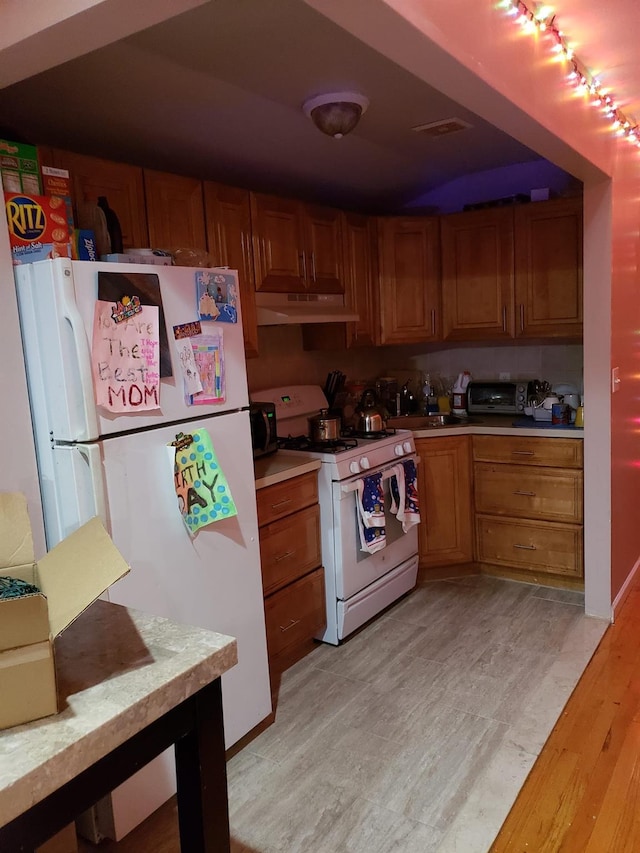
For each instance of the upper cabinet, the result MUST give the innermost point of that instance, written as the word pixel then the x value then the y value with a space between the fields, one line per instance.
pixel 513 272
pixel 228 224
pixel 122 185
pixel 175 210
pixel 477 275
pixel 548 266
pixel 296 247
pixel 408 250
pixel 361 284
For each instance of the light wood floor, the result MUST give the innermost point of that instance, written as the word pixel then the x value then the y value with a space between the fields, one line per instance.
pixel 418 733
pixel 583 794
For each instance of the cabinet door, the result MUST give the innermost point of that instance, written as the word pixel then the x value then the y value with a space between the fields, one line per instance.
pixel 445 533
pixel 276 226
pixel 175 210
pixel 122 185
pixel 228 224
pixel 360 280
pixel 409 286
pixel 477 275
pixel 548 246
pixel 322 252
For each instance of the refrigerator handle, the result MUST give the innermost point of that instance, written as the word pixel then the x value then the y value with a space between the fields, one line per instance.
pixel 83 357
pixel 91 453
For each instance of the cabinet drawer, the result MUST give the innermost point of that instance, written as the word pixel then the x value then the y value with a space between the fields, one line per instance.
pixel 554 452
pixel 286 497
pixel 545 493
pixel 295 614
pixel 290 547
pixel 548 547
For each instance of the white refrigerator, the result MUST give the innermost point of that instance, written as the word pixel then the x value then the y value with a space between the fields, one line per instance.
pixel 93 461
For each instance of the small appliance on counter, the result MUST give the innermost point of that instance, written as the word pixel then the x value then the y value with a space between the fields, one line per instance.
pixel 496 397
pixel 264 434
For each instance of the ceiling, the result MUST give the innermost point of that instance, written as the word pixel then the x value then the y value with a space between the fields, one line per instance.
pixel 217 92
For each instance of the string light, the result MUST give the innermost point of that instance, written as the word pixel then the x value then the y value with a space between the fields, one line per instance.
pixel 541 18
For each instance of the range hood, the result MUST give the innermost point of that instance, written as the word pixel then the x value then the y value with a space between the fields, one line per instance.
pixel 283 309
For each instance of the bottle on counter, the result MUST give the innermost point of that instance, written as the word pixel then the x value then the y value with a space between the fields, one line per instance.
pixel 113 225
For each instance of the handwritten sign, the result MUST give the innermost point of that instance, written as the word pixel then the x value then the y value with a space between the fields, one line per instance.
pixel 125 359
pixel 203 492
pixel 186 357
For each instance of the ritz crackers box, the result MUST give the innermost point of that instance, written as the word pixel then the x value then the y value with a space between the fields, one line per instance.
pixel 38 227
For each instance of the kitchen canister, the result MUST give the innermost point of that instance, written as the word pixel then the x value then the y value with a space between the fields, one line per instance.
pixel 579 421
pixel 560 413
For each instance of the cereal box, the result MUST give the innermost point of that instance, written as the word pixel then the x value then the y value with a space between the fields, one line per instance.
pixel 38 227
pixel 19 167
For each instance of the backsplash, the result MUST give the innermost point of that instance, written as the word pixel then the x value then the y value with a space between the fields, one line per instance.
pixel 283 361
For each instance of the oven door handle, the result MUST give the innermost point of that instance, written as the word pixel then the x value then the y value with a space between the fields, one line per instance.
pixel 387 473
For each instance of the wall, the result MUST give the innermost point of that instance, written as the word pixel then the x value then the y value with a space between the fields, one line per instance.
pixel 474 54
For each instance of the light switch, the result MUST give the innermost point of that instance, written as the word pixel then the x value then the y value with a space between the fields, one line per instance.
pixel 615 379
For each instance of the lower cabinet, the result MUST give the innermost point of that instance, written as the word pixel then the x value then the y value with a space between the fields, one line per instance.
pixel 292 573
pixel 445 534
pixel 529 508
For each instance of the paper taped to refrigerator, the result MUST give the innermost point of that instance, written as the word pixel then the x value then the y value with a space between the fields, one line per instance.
pixel 203 492
pixel 216 296
pixel 125 356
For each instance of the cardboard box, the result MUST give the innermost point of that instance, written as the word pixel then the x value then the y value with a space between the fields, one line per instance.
pixel 83 245
pixel 56 182
pixel 38 227
pixel 19 167
pixel 70 578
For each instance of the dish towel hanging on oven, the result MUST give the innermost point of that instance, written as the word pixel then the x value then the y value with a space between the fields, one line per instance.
pixel 370 504
pixel 405 504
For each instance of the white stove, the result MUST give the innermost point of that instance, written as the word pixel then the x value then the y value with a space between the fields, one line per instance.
pixel 359 582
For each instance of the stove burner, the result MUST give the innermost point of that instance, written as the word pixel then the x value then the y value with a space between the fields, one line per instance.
pixel 350 432
pixel 303 442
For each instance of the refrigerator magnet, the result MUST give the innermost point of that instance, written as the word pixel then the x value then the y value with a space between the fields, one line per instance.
pixel 217 296
pixel 201 487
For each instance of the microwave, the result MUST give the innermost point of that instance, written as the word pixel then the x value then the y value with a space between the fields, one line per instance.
pixel 264 438
pixel 507 398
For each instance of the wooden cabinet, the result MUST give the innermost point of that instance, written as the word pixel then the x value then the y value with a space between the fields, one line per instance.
pixel 408 249
pixel 548 269
pixel 360 281
pixel 122 185
pixel 228 226
pixel 513 272
pixel 175 211
pixel 292 574
pixel 477 275
pixel 529 507
pixel 445 533
pixel 296 247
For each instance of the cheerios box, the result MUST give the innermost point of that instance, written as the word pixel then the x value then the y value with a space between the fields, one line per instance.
pixel 38 227
pixel 39 600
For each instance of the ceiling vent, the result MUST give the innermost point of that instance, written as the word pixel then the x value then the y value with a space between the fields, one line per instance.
pixel 442 128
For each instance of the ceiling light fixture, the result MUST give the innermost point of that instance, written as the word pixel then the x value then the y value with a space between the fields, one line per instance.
pixel 336 114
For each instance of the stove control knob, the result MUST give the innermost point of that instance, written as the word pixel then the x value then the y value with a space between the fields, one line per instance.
pixel 398 450
pixel 354 467
pixel 407 447
pixel 364 463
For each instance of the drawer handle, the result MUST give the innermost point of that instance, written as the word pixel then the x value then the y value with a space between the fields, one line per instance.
pixel 290 625
pixel 526 494
pixel 526 547
pixel 281 503
pixel 522 453
pixel 284 556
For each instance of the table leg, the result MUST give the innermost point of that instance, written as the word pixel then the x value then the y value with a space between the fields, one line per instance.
pixel 203 810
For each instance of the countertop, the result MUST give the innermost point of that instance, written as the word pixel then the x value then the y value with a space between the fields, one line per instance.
pixel 118 670
pixel 280 466
pixel 502 425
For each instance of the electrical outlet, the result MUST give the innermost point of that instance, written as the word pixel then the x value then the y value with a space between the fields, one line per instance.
pixel 505 376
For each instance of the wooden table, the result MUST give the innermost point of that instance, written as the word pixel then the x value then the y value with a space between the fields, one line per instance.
pixel 129 686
